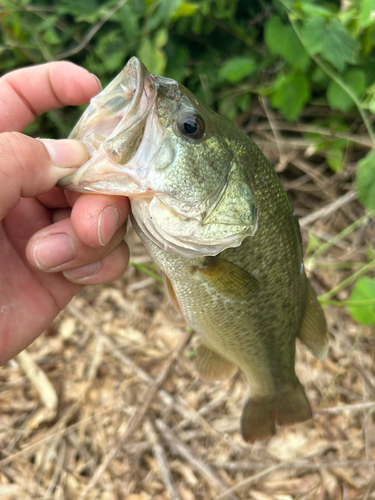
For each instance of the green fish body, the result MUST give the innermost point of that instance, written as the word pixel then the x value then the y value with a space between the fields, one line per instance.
pixel 217 222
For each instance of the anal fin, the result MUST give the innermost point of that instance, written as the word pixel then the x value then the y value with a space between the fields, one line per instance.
pixel 314 331
pixel 211 366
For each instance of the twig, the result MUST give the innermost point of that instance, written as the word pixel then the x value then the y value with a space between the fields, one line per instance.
pixel 369 490
pixel 39 380
pixel 182 449
pixel 96 359
pixel 56 474
pixel 358 139
pixel 56 433
pixel 161 459
pixel 315 175
pixel 340 409
pixel 275 130
pixel 250 480
pixel 134 421
pixel 328 209
pixel 91 32
pixel 295 465
pixel 189 414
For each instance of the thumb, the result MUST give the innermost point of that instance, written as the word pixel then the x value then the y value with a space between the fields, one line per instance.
pixel 31 167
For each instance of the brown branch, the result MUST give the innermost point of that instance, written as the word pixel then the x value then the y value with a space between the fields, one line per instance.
pixel 135 420
pixel 180 448
pixel 92 32
pixel 328 209
pixel 161 459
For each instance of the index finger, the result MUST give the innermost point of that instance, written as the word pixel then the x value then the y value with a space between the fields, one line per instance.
pixel 29 92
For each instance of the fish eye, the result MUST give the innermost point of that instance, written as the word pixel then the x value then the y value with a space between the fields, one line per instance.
pixel 191 125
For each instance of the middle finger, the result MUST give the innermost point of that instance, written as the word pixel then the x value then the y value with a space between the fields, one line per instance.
pixel 58 248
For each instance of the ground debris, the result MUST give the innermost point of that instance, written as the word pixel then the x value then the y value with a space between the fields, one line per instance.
pixel 131 420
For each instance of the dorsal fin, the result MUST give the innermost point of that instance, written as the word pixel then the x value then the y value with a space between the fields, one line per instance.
pixel 314 331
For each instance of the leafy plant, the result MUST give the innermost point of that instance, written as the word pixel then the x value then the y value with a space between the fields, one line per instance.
pixel 363 301
pixel 297 54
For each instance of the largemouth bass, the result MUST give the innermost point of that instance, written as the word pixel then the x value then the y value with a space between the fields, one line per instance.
pixel 217 222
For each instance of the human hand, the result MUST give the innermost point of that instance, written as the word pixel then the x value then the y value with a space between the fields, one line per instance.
pixel 52 242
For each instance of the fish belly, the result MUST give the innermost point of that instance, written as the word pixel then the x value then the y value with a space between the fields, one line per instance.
pixel 234 327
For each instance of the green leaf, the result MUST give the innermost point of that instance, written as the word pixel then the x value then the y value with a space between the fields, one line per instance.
pixel 367 7
pixel 313 243
pixel 236 69
pixel 75 8
pixel 151 55
pixel 282 40
pixel 330 39
pixel 365 180
pixel 336 95
pixel 163 13
pixel 52 37
pixel 161 38
pixel 243 102
pixel 335 159
pixel 313 10
pixel 185 10
pixel 364 289
pixel 290 94
pixel 371 105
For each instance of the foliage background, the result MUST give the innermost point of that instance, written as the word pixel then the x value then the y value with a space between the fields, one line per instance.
pixel 301 56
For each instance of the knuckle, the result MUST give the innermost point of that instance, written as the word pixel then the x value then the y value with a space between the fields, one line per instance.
pixel 19 156
pixel 10 165
pixel 12 151
pixel 18 152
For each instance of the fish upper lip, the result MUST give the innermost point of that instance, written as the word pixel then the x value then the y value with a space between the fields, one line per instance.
pixel 111 131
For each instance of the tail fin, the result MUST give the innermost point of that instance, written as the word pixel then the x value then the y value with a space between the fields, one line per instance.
pixel 259 416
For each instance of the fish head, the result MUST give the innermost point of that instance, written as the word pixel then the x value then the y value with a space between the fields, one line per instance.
pixel 151 139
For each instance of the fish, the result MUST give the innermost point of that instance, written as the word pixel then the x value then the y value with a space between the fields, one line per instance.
pixel 215 219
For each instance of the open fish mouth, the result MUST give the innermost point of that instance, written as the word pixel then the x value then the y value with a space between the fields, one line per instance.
pixel 112 128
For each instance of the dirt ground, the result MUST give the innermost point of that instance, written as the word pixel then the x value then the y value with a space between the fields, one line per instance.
pixel 107 405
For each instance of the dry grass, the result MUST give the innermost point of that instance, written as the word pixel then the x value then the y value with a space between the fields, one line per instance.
pixel 121 413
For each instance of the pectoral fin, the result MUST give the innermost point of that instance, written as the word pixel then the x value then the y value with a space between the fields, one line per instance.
pixel 228 279
pixel 314 331
pixel 211 366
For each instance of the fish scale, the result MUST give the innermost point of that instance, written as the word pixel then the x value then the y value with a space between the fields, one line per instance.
pixel 216 220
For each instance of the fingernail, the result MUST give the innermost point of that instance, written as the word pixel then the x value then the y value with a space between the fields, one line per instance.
pixel 54 251
pixel 108 223
pixel 66 153
pixel 98 81
pixel 83 272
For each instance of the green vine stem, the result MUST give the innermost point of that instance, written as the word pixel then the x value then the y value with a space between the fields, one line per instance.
pixel 146 270
pixel 348 303
pixel 341 286
pixel 340 236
